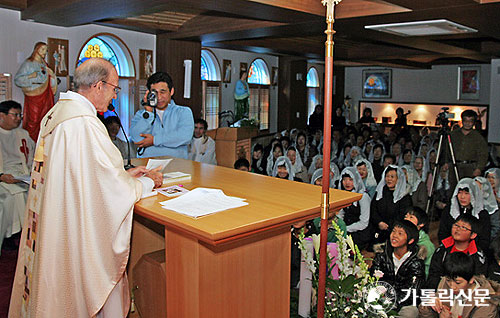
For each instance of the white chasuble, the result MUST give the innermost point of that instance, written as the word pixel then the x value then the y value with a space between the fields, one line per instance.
pixel 75 245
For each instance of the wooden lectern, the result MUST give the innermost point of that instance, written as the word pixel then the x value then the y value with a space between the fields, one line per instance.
pixel 232 144
pixel 234 263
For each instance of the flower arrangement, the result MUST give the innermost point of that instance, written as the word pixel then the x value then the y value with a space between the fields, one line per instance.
pixel 345 295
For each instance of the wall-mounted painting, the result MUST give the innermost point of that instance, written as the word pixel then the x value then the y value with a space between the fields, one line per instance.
pixel 226 68
pixel 274 76
pixel 377 83
pixel 145 64
pixel 468 82
pixel 58 56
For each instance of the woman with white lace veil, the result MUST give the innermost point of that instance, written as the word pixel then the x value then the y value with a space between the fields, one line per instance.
pixel 415 187
pixel 298 167
pixel 490 204
pixel 357 215
pixel 317 176
pixel 365 170
pixel 390 202
pixel 283 169
pixel 355 154
pixel 493 176
pixel 467 199
pixel 276 152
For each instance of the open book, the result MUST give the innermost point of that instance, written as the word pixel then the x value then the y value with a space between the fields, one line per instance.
pixel 175 177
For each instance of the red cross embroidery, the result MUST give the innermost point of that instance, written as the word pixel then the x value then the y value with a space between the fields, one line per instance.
pixel 24 149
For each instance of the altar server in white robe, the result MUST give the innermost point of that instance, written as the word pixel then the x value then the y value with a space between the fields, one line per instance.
pixel 16 156
pixel 76 240
pixel 202 147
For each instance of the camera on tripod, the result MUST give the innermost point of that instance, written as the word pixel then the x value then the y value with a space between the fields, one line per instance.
pixel 151 99
pixel 444 117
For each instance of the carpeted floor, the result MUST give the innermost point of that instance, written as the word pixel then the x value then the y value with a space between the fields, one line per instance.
pixel 8 261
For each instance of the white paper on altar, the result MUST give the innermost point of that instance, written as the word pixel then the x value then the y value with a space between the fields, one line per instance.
pixel 155 163
pixel 203 201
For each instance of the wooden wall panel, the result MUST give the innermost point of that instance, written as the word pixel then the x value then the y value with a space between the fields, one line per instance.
pixel 292 96
pixel 170 56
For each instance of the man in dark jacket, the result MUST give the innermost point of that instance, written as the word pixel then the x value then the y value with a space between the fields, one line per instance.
pixel 400 266
pixel 462 239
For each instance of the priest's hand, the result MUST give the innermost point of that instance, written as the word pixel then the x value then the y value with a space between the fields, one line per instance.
pixel 146 142
pixel 156 176
pixel 8 178
pixel 137 171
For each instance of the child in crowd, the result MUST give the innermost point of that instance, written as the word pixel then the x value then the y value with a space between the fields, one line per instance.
pixel 283 169
pixel 462 292
pixel 467 199
pixel 462 239
pixel 400 266
pixel 426 248
pixel 242 164
pixel 257 159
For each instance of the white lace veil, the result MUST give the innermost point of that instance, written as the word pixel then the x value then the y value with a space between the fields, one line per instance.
pixel 399 191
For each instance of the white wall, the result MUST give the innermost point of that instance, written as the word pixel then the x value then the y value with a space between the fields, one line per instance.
pixel 436 85
pixel 493 122
pixel 18 38
pixel 237 57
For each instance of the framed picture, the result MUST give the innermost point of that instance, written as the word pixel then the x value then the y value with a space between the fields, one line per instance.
pixel 243 69
pixel 274 76
pixel 226 69
pixel 468 82
pixel 377 83
pixel 145 64
pixel 58 56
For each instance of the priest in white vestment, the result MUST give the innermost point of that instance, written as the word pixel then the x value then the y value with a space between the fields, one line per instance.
pixel 16 156
pixel 202 147
pixel 75 245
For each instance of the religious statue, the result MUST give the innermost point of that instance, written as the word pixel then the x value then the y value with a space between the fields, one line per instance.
pixel 241 95
pixel 39 84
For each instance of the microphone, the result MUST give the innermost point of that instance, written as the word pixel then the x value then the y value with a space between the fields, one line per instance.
pixel 129 162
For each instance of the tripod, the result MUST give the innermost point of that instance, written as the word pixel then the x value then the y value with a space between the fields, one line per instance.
pixel 443 134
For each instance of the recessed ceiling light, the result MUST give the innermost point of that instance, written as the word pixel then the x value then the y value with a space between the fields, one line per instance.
pixel 422 28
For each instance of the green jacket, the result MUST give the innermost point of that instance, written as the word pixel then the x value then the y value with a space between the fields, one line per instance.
pixel 425 250
pixel 331 232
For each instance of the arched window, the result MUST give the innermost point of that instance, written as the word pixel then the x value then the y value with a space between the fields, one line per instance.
pixel 258 73
pixel 313 90
pixel 211 78
pixel 113 49
pixel 259 81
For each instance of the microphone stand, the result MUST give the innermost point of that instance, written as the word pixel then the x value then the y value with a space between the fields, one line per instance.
pixel 129 161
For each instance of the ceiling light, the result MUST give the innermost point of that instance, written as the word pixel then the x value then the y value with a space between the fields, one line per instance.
pixel 422 28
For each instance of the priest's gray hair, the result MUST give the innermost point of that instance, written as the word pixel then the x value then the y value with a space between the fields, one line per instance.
pixel 91 72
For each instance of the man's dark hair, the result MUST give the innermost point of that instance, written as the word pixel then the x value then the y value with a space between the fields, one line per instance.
pixel 459 265
pixel 422 217
pixel 379 146
pixel 390 155
pixel 258 147
pixel 468 113
pixel 201 121
pixel 160 77
pixel 410 229
pixel 111 120
pixel 242 162
pixel 367 109
pixel 469 219
pixel 7 105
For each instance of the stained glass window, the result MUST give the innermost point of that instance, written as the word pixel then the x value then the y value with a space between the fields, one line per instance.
pixel 258 73
pixel 98 48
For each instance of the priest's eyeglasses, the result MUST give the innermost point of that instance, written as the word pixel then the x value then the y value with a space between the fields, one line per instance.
pixel 16 115
pixel 117 89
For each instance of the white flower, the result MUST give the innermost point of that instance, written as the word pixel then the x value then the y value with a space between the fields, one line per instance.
pixel 378 274
pixel 316 242
pixel 361 310
pixel 347 309
pixel 350 242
